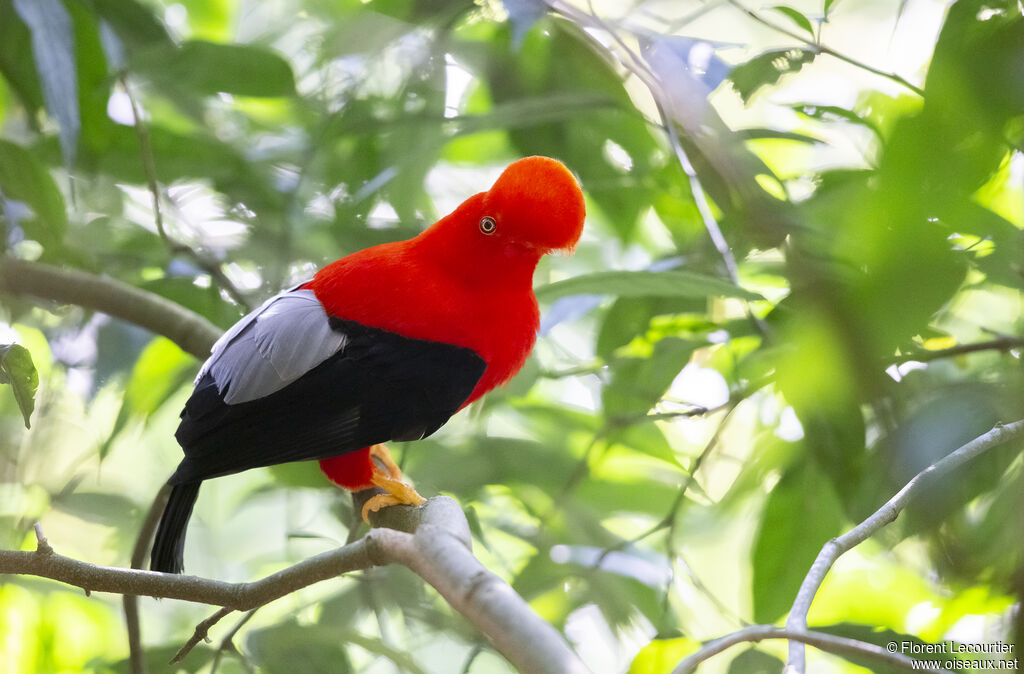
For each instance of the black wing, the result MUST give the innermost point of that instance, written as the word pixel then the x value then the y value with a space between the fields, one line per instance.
pixel 379 386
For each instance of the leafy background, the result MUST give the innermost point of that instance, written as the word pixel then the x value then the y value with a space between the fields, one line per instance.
pixel 688 432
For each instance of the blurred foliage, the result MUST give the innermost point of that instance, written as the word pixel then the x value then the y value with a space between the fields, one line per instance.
pixel 877 231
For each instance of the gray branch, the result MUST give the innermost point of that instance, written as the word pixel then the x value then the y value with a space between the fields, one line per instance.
pixel 827 642
pixel 193 333
pixel 438 549
pixel 797 620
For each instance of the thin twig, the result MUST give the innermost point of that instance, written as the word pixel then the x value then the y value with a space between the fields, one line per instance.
pixel 1000 344
pixel 797 620
pixel 148 163
pixel 471 658
pixel 228 643
pixel 201 633
pixel 824 49
pixel 42 545
pixel 136 656
pixel 668 521
pixel 829 643
pixel 210 266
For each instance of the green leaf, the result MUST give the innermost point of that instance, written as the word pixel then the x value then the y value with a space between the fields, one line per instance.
pixel 644 284
pixel 17 369
pixel 162 368
pixel 300 648
pixel 638 383
pixel 796 17
pixel 831 113
pixel 801 515
pixel 109 509
pixel 53 48
pixel 135 25
pixel 208 68
pixel 773 134
pixel 828 6
pixel 17 69
pixel 767 68
pixel 23 178
pixel 753 661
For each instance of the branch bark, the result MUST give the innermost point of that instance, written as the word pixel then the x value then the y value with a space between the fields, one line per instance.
pixel 1004 344
pixel 136 659
pixel 797 620
pixel 433 541
pixel 826 642
pixel 193 333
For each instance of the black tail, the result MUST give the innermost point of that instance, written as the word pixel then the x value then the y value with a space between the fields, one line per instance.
pixel 169 545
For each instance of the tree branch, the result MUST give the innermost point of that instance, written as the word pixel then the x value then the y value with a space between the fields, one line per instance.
pixel 1004 343
pixel 207 264
pixel 824 49
pixel 829 643
pixel 136 655
pixel 797 620
pixel 438 550
pixel 193 333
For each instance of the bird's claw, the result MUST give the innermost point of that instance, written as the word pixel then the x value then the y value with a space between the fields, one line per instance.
pixel 388 479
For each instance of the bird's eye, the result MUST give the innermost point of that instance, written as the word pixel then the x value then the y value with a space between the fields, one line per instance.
pixel 488 225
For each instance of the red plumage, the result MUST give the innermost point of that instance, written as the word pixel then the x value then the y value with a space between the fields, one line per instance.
pixel 453 284
pixel 384 344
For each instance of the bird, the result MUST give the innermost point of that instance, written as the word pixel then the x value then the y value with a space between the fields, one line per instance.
pixel 384 344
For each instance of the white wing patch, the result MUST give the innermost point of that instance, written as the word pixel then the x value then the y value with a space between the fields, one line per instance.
pixel 286 337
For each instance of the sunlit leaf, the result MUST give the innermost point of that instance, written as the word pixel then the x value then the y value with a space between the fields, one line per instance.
pixel 796 17
pixel 638 383
pixel 828 113
pixel 767 68
pixel 644 284
pixel 801 515
pixel 772 134
pixel 53 49
pixel 662 655
pixel 17 370
pixel 208 68
pixel 162 369
pixel 24 178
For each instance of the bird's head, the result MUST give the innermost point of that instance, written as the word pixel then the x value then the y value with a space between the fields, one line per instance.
pixel 535 203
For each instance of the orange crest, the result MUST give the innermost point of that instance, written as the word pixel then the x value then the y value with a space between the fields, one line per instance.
pixel 538 203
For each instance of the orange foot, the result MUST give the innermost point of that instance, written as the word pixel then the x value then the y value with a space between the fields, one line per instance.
pixel 388 478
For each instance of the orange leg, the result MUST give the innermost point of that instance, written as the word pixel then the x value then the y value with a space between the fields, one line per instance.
pixel 388 478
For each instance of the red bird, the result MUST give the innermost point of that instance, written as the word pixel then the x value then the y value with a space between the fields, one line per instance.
pixel 384 344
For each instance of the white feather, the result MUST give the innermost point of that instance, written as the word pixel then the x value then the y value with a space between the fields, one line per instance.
pixel 283 339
